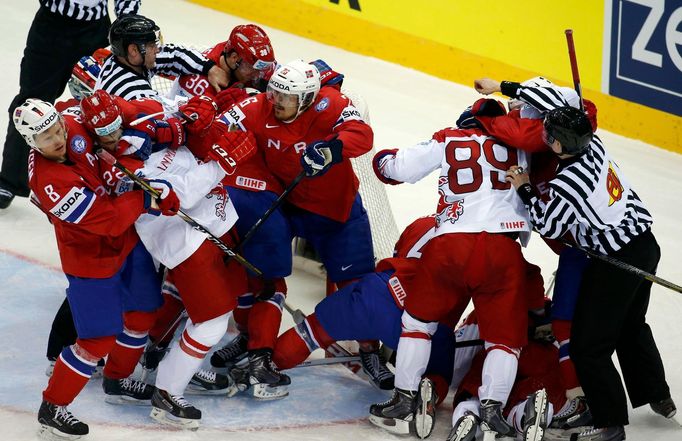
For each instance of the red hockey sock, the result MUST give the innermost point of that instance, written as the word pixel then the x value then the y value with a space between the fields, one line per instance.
pixel 129 344
pixel 73 369
pixel 441 386
pixel 265 318
pixel 242 311
pixel 296 344
pixel 562 332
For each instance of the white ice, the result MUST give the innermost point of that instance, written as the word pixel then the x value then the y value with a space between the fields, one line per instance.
pixel 326 402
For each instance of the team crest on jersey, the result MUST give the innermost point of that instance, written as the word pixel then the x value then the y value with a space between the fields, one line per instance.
pixel 78 144
pixel 613 186
pixel 449 207
pixel 323 104
pixel 221 203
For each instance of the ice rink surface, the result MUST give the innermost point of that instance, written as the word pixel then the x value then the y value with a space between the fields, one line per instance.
pixel 326 403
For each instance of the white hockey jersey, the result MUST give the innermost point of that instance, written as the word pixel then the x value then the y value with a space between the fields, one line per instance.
pixel 169 239
pixel 473 193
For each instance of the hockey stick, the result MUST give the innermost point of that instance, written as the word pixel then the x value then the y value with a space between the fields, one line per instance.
pixel 275 205
pixel 155 345
pixel 109 159
pixel 574 66
pixel 326 361
pixel 625 266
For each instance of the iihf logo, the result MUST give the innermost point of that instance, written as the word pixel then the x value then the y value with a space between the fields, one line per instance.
pixel 78 144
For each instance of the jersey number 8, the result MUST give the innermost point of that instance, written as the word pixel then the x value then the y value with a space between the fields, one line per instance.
pixel 498 167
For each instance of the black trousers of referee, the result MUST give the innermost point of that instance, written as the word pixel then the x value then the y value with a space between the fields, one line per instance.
pixel 610 316
pixel 54 44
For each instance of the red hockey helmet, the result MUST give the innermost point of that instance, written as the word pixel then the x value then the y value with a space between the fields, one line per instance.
pixel 101 114
pixel 252 45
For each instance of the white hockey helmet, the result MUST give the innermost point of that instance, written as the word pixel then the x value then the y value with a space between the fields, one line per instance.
pixel 296 78
pixel 33 117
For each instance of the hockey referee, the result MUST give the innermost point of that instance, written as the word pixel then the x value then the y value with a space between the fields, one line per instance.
pixel 62 32
pixel 591 199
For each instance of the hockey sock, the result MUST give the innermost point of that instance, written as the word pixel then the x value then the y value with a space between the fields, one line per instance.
pixel 129 344
pixel 265 318
pixel 413 351
pixel 185 357
pixel 498 373
pixel 73 369
pixel 165 316
pixel 296 344
pixel 562 332
pixel 241 313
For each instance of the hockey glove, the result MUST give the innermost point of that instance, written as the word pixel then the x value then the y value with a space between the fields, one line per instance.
pixel 320 155
pixel 135 142
pixel 229 97
pixel 378 163
pixel 167 201
pixel 233 148
pixel 467 120
pixel 201 111
pixel 169 134
pixel 482 107
pixel 328 77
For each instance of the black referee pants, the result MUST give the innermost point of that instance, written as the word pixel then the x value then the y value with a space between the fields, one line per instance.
pixel 610 316
pixel 54 44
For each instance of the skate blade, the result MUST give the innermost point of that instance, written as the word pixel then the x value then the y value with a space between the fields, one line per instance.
pixel 265 392
pixel 536 431
pixel 193 389
pixel 126 400
pixel 168 419
pixel 464 429
pixel 396 426
pixel 52 434
pixel 423 421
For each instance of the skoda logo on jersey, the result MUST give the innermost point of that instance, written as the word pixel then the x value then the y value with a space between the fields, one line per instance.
pixel 78 144
pixel 323 104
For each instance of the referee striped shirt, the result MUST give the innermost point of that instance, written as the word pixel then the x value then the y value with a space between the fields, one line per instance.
pixel 589 197
pixel 119 79
pixel 89 10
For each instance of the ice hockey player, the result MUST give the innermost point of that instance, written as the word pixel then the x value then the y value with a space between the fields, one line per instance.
pixel 474 254
pixel 207 286
pixel 81 84
pixel 139 54
pixel 537 390
pixel 522 128
pixel 591 198
pixel 113 290
pixel 248 59
pixel 372 360
pixel 371 309
pixel 300 128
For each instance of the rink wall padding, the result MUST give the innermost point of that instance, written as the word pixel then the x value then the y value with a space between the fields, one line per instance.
pixel 631 71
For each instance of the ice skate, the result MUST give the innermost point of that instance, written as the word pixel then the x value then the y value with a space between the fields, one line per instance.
pixel 231 353
pixel 425 417
pixel 535 415
pixel 127 391
pixel 57 423
pixel 574 415
pixel 465 428
pixel 397 414
pixel 266 382
pixel 493 421
pixel 666 408
pixel 613 433
pixel 206 382
pixel 174 410
pixel 374 365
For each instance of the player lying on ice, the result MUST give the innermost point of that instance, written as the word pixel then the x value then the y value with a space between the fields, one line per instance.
pixel 113 289
pixel 208 287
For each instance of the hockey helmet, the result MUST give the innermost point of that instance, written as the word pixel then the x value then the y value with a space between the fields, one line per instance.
pixel 252 45
pixel 569 126
pixel 133 29
pixel 85 72
pixel 296 79
pixel 101 113
pixel 33 117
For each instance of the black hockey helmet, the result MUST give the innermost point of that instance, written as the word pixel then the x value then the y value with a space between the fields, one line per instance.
pixel 571 127
pixel 132 29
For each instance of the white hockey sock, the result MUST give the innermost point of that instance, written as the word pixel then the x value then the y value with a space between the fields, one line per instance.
pixel 413 349
pixel 499 372
pixel 185 357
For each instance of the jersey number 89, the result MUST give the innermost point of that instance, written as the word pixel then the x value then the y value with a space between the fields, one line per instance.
pixel 496 167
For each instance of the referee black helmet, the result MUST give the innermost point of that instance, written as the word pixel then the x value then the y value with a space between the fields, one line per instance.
pixel 132 29
pixel 571 127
